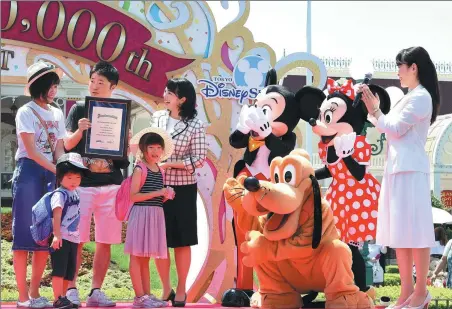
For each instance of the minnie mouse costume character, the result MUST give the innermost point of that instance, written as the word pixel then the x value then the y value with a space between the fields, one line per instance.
pixel 265 129
pixel 354 191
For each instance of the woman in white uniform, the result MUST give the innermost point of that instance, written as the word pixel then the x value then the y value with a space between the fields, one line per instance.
pixel 405 220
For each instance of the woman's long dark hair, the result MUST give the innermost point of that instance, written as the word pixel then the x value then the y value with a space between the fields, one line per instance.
pixel 182 87
pixel 426 73
pixel 440 235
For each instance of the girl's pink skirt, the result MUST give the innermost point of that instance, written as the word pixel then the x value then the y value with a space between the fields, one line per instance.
pixel 146 232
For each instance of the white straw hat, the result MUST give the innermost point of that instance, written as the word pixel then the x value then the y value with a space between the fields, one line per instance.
pixel 168 141
pixel 37 70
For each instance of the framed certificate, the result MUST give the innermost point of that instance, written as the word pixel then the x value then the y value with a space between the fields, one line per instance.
pixel 108 137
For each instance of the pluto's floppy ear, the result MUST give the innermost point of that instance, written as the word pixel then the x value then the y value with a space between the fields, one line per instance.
pixel 271 78
pixel 317 233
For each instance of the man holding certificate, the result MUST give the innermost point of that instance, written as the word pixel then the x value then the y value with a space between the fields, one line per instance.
pixel 98 190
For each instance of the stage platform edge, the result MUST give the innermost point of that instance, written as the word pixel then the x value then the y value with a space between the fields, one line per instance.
pixel 10 305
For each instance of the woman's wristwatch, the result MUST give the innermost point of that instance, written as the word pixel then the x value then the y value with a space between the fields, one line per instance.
pixel 375 111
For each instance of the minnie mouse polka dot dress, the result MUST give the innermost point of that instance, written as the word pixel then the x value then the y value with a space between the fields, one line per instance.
pixel 354 203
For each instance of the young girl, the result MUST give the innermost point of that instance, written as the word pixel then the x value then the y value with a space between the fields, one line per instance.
pixel 146 231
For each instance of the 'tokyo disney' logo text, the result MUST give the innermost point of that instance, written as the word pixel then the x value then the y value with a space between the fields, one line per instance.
pixel 216 88
pixel 248 79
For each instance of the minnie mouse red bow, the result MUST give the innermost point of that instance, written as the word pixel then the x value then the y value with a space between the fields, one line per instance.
pixel 346 88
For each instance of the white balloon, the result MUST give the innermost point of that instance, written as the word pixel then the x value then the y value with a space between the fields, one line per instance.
pixel 395 94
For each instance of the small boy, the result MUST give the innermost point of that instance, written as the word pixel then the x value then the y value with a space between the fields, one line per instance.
pixel 66 217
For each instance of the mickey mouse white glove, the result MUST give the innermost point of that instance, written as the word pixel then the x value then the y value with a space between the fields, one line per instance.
pixel 258 122
pixel 241 125
pixel 345 145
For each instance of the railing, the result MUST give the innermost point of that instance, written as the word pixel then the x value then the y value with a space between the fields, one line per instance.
pixel 380 65
pixel 435 301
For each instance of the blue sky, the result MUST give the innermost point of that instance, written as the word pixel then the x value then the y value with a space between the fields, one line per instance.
pixel 378 29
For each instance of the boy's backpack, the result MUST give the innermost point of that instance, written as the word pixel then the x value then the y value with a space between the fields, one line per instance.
pixel 123 202
pixel 41 219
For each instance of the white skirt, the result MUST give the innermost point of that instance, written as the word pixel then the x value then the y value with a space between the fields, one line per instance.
pixel 405 218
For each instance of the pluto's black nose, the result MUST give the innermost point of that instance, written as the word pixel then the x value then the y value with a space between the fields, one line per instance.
pixel 312 122
pixel 252 184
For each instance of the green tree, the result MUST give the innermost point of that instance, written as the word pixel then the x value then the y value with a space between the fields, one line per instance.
pixel 436 202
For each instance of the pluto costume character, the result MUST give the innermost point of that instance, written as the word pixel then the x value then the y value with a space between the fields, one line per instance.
pixel 265 131
pixel 292 242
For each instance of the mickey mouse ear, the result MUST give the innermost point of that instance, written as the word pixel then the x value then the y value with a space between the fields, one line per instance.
pixel 385 99
pixel 271 78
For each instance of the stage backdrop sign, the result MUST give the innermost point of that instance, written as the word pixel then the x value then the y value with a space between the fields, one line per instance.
pixel 149 42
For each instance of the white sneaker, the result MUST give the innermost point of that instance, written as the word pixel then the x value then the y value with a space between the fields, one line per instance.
pixel 73 297
pixel 44 302
pixel 23 304
pixel 138 302
pixel 147 302
pixel 99 299
pixel 158 300
pixel 37 303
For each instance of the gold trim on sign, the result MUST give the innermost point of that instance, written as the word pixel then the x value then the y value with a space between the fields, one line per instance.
pixel 115 7
pixel 14 80
pixel 40 20
pixel 120 45
pixel 12 16
pixel 179 31
pixel 71 28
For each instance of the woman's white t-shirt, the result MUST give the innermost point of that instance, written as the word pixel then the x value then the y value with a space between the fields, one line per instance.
pixel 27 122
pixel 447 248
pixel 438 249
pixel 171 124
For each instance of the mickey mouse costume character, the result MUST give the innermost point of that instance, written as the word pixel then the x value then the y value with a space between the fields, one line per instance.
pixel 265 129
pixel 354 191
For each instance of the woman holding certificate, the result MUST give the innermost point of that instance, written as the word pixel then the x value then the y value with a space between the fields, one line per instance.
pixel 40 132
pixel 189 138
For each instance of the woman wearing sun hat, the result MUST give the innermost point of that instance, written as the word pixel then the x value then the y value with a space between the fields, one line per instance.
pixel 40 130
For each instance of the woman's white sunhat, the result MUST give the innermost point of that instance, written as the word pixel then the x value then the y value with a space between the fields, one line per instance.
pixel 37 70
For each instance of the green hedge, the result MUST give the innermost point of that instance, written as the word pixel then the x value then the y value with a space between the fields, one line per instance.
pixel 392 280
pixel 392 269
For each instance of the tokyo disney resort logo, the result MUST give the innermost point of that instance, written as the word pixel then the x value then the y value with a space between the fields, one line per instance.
pixel 248 79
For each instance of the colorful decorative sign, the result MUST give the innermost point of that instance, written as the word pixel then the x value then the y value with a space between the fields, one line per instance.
pixel 446 198
pixel 90 33
pixel 247 81
pixel 149 42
